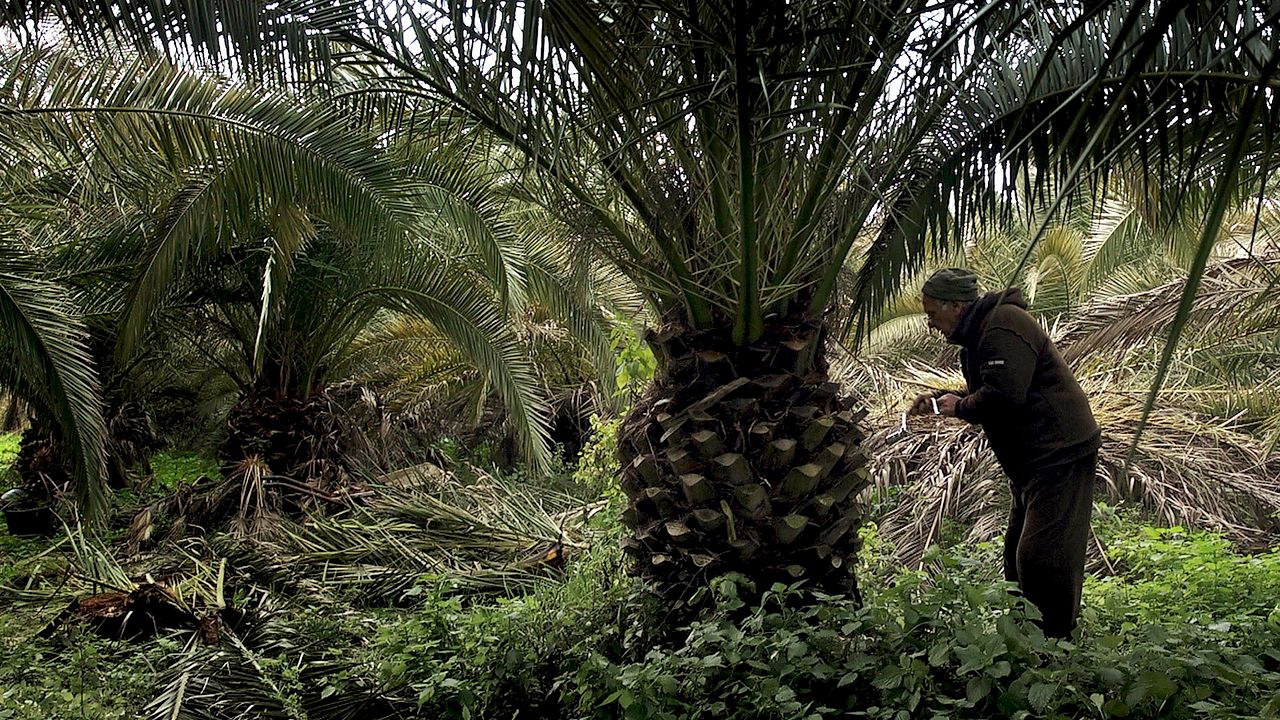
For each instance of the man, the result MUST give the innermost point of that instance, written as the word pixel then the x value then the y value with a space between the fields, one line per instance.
pixel 1038 423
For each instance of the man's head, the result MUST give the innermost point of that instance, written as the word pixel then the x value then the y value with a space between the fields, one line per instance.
pixel 947 294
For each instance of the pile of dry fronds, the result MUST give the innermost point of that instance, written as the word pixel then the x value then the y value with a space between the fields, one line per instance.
pixel 1194 471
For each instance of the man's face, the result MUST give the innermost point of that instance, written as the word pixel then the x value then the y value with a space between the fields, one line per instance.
pixel 943 314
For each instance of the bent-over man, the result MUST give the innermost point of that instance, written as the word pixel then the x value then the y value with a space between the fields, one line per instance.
pixel 1038 423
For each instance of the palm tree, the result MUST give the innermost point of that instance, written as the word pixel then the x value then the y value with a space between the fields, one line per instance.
pixel 727 155
pixel 279 228
pixel 46 344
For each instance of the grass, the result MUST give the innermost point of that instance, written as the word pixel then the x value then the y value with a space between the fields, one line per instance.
pixel 178 467
pixel 8 453
pixel 9 447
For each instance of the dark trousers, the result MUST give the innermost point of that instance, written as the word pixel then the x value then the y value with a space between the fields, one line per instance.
pixel 1048 531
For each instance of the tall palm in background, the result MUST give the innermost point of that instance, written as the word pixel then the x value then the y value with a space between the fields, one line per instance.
pixel 728 156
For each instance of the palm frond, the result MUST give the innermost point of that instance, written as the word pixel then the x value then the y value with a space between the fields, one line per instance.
pixel 487 535
pixel 667 124
pixel 52 369
pixel 203 683
pixel 235 148
pixel 1230 293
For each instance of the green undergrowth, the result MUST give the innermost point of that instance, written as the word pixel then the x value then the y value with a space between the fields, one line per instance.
pixel 178 467
pixel 8 453
pixel 77 675
pixel 952 645
pixel 8 447
pixel 1187 628
pixel 1173 576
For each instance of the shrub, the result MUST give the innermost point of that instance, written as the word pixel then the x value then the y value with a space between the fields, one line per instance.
pixel 598 468
pixel 1175 576
pixel 949 648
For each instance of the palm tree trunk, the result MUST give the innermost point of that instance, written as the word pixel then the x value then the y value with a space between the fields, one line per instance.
pixel 743 459
pixel 298 438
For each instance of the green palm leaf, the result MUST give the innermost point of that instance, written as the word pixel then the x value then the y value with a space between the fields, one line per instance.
pixel 51 367
pixel 477 327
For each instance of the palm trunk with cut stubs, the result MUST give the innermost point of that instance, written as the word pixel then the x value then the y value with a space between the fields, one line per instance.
pixel 743 459
pixel 296 438
pixel 41 464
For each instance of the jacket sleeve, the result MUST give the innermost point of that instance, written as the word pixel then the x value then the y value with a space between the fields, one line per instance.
pixel 1008 363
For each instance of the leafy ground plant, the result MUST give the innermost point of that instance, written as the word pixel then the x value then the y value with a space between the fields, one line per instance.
pixel 954 646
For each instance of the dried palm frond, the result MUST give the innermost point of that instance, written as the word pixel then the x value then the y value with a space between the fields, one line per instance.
pixel 1236 295
pixel 206 683
pixel 184 590
pixel 1188 469
pixel 943 471
pixel 1207 459
pixel 484 536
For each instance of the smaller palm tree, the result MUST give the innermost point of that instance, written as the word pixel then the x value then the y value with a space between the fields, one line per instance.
pixel 277 234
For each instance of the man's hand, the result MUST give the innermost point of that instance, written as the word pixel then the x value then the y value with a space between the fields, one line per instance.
pixel 922 405
pixel 947 404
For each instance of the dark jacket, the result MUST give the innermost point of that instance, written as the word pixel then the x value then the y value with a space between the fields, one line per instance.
pixel 1022 393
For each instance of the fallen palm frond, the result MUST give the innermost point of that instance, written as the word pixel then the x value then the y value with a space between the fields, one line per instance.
pixel 90 586
pixel 484 536
pixel 248 501
pixel 940 472
pixel 206 683
pixel 1236 296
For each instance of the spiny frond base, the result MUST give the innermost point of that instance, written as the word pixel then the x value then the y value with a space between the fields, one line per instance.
pixel 296 443
pixel 281 455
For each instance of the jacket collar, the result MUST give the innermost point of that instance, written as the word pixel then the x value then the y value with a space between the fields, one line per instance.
pixel 968 330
